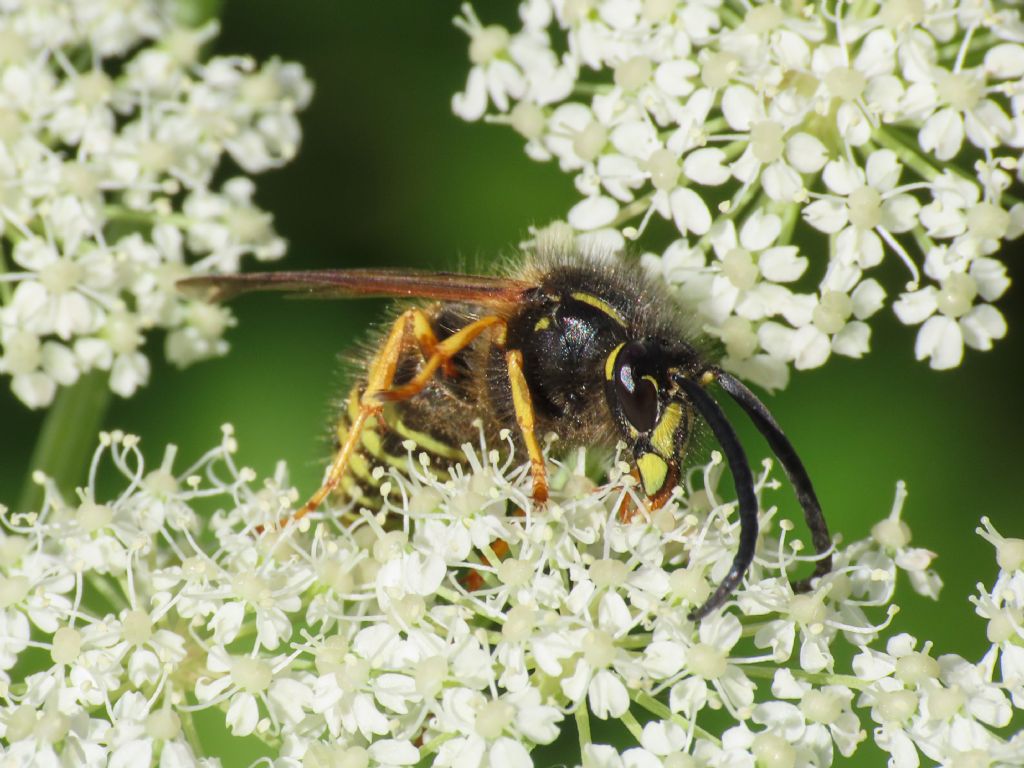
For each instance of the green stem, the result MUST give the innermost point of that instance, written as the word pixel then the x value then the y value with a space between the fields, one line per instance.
pixel 714 125
pixel 120 213
pixel 433 745
pixel 730 17
pixel 789 214
pixel 632 210
pixel 920 163
pixel 68 438
pixel 658 709
pixel 188 727
pixel 907 155
pixel 640 641
pixel 591 89
pixel 819 678
pixel 981 41
pixel 6 292
pixel 861 9
pixel 632 725
pixel 194 13
pixel 924 242
pixel 99 584
pixel 583 726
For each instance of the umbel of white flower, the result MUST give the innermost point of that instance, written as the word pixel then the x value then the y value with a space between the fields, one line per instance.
pixel 111 130
pixel 793 147
pixel 461 626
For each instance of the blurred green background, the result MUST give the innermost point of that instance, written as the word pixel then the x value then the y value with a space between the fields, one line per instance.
pixel 388 176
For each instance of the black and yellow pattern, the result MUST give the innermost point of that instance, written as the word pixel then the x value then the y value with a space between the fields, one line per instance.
pixel 587 348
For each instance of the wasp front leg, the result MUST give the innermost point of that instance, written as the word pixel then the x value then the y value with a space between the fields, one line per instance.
pixel 523 404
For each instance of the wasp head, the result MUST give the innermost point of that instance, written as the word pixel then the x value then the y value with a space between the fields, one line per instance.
pixel 652 414
pixel 655 391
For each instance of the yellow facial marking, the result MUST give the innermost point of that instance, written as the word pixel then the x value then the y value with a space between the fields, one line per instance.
pixel 543 323
pixel 653 471
pixel 609 363
pixel 664 436
pixel 600 304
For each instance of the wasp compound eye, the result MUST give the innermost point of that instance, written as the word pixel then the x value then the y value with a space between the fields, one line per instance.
pixel 637 394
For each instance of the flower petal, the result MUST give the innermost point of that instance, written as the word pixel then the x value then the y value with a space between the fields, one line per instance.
pixel 689 211
pixel 941 342
pixel 942 133
pixel 593 213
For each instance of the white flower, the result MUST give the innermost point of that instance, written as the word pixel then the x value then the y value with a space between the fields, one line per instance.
pixel 136 733
pixel 826 708
pixel 486 727
pixel 834 325
pixel 127 139
pixel 776 155
pixel 710 667
pixel 864 205
pixel 493 77
pixel 245 682
pixel 812 112
pixel 749 268
pixel 951 318
pixel 36 368
pixel 57 295
pixel 465 634
pixel 958 98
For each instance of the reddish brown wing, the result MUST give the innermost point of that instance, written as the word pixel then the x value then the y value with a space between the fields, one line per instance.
pixel 361 283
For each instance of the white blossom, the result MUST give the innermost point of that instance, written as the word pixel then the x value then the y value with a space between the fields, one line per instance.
pixel 107 164
pixel 862 132
pixel 402 636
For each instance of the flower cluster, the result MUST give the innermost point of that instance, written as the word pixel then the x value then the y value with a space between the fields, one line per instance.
pixel 112 128
pixel 461 625
pixel 769 133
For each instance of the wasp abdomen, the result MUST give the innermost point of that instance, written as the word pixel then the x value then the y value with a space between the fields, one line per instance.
pixel 385 442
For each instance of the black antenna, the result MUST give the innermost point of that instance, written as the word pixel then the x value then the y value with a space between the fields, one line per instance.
pixel 744 481
pixel 783 449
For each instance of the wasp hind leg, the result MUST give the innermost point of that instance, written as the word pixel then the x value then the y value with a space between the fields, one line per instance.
pixel 441 357
pixel 380 377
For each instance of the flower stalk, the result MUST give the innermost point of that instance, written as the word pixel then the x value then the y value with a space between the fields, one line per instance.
pixel 67 439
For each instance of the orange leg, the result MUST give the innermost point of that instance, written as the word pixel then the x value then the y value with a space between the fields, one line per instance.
pixel 425 338
pixel 443 352
pixel 525 418
pixel 379 378
pixel 627 507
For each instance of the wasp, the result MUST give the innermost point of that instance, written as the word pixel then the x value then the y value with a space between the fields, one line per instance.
pixel 589 348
